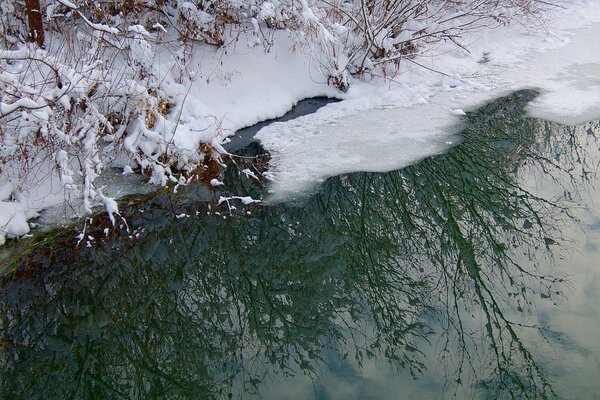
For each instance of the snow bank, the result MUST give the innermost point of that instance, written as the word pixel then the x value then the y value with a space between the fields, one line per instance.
pixel 386 127
pixel 239 86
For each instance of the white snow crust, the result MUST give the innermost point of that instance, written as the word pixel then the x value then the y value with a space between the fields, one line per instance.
pixel 387 126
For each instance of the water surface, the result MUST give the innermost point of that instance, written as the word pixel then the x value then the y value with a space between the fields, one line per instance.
pixel 470 274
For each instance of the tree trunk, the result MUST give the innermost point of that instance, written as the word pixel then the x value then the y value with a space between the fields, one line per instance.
pixel 34 20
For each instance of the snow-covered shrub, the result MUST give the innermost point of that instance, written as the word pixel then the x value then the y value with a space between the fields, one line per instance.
pixel 63 106
pixel 364 36
pixel 91 94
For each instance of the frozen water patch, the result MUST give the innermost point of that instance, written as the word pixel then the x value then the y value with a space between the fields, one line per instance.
pixel 309 150
pixel 570 80
pixel 360 134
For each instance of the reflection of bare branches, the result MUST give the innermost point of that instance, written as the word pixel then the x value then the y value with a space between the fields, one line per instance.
pixel 466 226
pixel 370 267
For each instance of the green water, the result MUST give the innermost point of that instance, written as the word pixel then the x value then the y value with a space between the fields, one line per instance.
pixel 469 275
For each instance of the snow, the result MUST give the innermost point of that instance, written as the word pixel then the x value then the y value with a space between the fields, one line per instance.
pixel 111 207
pixel 246 200
pixel 336 140
pixel 6 190
pixel 244 86
pixel 6 109
pixel 13 214
pixel 67 3
pixel 394 124
pixel 13 220
pixel 267 10
pixel 571 95
pixel 99 27
pixel 249 174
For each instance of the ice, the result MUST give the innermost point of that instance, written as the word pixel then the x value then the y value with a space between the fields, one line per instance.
pixel 571 92
pixel 308 150
pixel 387 128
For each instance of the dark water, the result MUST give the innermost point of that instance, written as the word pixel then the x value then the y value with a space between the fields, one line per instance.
pixel 469 275
pixel 244 137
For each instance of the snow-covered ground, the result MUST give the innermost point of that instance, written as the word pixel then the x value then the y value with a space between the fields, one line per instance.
pixel 381 124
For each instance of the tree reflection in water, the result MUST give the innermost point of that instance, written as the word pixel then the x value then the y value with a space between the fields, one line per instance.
pixel 370 266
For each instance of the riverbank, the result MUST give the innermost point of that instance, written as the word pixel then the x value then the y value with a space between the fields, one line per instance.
pixel 62 230
pixel 382 123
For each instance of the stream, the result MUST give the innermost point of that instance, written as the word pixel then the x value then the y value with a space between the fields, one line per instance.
pixel 470 274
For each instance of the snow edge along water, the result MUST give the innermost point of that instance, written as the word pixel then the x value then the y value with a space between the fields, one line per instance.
pixel 381 124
